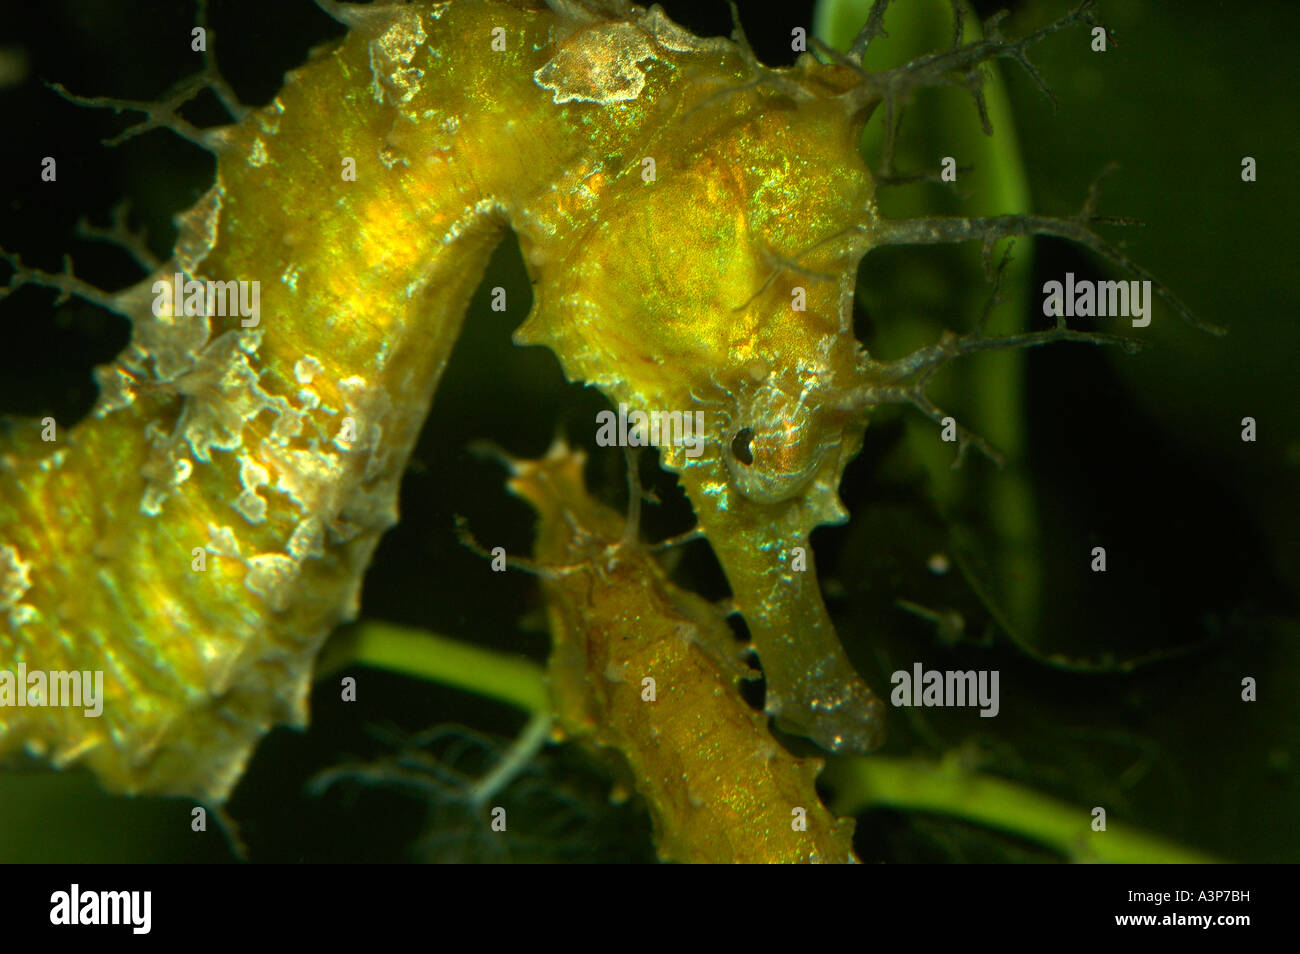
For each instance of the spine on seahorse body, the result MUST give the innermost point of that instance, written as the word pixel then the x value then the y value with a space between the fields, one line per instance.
pixel 198 535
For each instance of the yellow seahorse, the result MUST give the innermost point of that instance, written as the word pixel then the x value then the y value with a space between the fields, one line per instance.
pixel 692 222
pixel 650 672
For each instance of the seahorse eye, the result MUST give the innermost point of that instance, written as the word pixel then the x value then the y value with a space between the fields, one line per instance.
pixel 772 463
pixel 740 448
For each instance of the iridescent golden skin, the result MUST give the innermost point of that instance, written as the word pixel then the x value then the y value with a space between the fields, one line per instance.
pixel 645 669
pixel 277 449
pixel 679 294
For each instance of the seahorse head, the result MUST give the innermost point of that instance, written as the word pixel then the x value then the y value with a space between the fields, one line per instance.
pixel 699 254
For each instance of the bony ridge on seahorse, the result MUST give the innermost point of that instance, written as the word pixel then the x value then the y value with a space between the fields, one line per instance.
pixel 692 222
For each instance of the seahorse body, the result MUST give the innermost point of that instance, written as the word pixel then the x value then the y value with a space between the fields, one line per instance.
pixel 276 450
pixel 646 670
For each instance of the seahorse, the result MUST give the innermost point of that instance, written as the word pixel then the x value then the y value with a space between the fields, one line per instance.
pixel 692 222
pixel 650 672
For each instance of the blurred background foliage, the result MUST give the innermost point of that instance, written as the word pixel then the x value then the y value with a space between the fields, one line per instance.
pixel 1119 689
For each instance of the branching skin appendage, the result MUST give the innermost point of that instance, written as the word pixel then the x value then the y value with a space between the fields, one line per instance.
pixel 650 672
pixel 692 222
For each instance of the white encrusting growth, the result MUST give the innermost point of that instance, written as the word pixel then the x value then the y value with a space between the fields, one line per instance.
pixel 306 369
pixel 393 77
pixel 15 581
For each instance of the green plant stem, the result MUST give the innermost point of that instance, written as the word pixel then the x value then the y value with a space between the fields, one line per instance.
pixel 947 788
pixel 421 654
pixel 860 783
